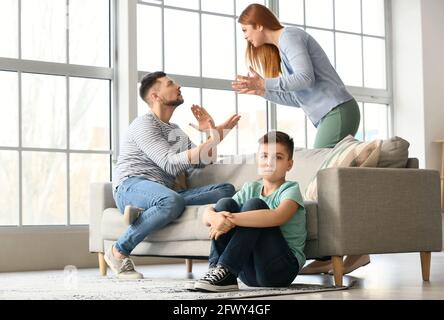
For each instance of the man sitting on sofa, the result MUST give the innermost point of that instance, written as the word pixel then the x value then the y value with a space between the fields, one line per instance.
pixel 153 154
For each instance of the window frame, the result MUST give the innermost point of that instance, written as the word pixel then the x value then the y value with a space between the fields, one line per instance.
pixel 124 77
pixel 200 82
pixel 361 94
pixel 66 70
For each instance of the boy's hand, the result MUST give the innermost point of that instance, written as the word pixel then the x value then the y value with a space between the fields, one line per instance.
pixel 229 216
pixel 221 223
pixel 215 234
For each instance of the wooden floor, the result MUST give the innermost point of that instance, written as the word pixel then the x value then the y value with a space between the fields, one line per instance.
pixel 388 276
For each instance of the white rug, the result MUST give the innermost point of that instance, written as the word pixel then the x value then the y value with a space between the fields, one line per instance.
pixel 59 285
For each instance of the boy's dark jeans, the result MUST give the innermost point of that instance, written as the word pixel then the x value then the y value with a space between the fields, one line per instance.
pixel 260 257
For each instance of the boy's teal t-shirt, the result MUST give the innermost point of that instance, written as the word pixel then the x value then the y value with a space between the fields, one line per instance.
pixel 294 230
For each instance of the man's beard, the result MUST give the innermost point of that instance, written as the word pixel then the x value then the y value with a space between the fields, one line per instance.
pixel 172 103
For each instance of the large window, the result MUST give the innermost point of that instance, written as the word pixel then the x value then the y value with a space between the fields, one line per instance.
pixel 353 34
pixel 185 40
pixel 55 91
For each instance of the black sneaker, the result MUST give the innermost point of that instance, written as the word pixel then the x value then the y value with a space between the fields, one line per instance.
pixel 209 273
pixel 220 279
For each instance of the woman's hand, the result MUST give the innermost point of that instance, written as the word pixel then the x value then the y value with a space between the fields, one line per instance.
pixel 251 84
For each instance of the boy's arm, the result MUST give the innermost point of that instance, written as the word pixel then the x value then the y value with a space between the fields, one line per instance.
pixel 216 220
pixel 265 218
pixel 208 216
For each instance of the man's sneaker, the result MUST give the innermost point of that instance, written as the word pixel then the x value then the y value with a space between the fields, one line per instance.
pixel 123 268
pixel 131 214
pixel 220 279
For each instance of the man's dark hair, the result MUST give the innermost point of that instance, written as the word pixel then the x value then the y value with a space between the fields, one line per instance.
pixel 281 138
pixel 148 81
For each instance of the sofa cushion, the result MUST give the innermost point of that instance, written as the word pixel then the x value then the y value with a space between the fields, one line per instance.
pixel 349 152
pixel 394 153
pixel 188 226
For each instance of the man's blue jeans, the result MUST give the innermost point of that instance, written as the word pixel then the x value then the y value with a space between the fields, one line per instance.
pixel 162 205
pixel 260 257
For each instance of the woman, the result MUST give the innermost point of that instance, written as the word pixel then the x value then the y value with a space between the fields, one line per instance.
pixel 296 72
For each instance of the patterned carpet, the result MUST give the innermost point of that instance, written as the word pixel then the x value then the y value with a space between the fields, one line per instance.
pixel 76 285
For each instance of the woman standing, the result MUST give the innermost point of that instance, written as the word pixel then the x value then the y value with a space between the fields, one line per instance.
pixel 296 72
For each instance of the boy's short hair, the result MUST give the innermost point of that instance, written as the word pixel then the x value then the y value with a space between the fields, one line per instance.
pixel 148 81
pixel 281 138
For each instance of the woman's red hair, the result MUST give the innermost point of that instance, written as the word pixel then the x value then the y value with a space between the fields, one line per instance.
pixel 265 59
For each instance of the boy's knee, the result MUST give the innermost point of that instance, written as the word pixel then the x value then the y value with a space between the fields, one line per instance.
pixel 226 204
pixel 254 204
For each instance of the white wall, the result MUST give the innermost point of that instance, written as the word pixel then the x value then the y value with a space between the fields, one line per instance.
pixel 418 77
pixel 433 67
pixel 53 248
pixel 408 93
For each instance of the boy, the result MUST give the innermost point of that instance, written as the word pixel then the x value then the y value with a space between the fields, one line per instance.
pixel 259 234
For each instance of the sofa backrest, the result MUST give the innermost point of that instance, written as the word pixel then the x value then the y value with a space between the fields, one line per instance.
pixel 306 164
pixel 237 171
pixel 240 169
pixel 394 154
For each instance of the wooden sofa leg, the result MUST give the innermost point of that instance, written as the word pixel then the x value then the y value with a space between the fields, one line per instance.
pixel 338 269
pixel 102 264
pixel 425 265
pixel 189 263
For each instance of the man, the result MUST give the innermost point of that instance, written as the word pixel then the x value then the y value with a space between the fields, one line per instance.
pixel 153 154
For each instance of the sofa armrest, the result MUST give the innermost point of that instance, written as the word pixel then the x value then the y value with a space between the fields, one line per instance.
pixel 101 198
pixel 378 210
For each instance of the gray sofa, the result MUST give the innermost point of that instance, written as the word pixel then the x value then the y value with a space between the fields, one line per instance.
pixel 359 211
